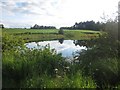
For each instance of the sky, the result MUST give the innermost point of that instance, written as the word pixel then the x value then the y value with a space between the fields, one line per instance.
pixel 59 13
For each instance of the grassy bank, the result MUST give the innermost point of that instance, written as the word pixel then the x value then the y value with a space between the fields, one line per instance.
pixel 51 34
pixel 38 68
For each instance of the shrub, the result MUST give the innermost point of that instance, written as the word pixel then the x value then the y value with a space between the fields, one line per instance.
pixel 61 31
pixel 101 62
pixel 10 42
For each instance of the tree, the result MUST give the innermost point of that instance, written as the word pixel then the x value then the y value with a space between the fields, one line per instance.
pixel 61 31
pixel 42 27
pixel 1 26
pixel 89 25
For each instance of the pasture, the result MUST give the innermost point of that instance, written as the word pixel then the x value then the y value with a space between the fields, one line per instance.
pixel 51 34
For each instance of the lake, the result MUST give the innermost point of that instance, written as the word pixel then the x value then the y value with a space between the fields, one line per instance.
pixel 66 47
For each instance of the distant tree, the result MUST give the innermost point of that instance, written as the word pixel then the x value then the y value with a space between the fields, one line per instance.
pixel 1 26
pixel 42 27
pixel 61 31
pixel 90 25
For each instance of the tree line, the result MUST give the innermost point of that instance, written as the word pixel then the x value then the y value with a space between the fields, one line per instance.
pixel 88 25
pixel 42 27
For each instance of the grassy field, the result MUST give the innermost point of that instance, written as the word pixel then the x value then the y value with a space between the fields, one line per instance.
pixel 51 34
pixel 32 31
pixel 80 34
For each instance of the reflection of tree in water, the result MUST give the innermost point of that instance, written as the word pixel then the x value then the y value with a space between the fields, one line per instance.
pixel 87 43
pixel 61 40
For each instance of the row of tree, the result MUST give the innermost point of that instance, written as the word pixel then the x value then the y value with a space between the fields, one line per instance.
pixel 89 25
pixel 42 27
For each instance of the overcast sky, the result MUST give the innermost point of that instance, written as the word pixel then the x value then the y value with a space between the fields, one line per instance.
pixel 26 13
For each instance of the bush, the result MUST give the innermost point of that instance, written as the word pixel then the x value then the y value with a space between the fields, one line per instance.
pixel 101 60
pixel 10 42
pixel 61 31
pixel 106 72
pixel 22 64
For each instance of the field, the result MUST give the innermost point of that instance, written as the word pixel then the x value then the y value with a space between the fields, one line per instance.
pixel 35 31
pixel 51 34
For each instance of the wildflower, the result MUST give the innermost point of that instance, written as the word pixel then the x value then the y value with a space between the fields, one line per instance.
pixel 56 69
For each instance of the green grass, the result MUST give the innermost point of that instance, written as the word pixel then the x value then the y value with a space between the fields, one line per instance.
pixel 40 37
pixel 35 31
pixel 0 32
pixel 34 34
pixel 81 34
pixel 35 69
pixel 83 31
pixel 76 81
pixel 51 34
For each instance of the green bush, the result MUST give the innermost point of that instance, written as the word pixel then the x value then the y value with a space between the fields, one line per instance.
pixel 36 68
pixel 101 62
pixel 10 42
pixel 61 31
pixel 22 64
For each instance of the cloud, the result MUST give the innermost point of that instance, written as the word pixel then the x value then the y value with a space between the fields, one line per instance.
pixel 54 12
pixel 36 7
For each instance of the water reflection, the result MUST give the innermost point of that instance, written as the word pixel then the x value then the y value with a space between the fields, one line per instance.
pixel 66 47
pixel 86 43
pixel 61 40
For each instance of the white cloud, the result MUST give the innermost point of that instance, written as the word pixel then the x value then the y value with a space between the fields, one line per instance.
pixel 29 6
pixel 55 12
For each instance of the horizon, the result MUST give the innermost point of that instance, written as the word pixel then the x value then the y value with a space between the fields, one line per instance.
pixel 58 13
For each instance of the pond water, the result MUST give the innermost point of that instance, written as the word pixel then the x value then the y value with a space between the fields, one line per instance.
pixel 66 47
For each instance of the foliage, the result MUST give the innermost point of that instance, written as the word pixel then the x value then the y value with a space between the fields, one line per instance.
pixel 76 81
pixel 61 31
pixel 10 42
pixel 36 68
pixel 42 27
pixel 111 27
pixel 22 64
pixel 1 26
pixel 101 61
pixel 30 68
pixel 89 25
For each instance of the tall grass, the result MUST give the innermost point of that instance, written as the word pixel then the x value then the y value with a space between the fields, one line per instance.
pixel 76 81
pixel 36 68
